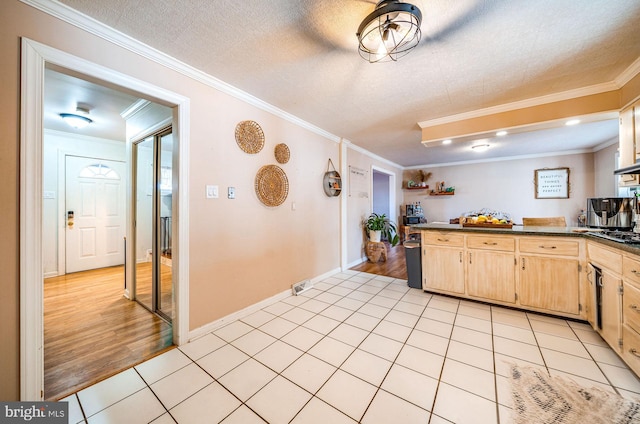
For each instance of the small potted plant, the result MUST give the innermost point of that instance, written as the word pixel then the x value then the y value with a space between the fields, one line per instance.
pixel 379 226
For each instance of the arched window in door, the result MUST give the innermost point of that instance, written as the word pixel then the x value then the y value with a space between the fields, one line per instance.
pixel 99 170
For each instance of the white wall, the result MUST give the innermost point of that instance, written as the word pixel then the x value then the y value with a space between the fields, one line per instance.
pixel 507 186
pixel 604 161
pixel 56 145
pixel 381 193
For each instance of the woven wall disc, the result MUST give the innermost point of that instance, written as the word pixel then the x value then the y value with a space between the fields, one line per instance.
pixel 282 153
pixel 272 185
pixel 249 136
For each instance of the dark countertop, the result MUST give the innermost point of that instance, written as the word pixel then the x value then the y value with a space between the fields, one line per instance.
pixel 532 231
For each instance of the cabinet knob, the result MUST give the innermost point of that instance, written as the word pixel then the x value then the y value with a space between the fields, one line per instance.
pixel 633 271
pixel 634 352
pixel 546 247
pixel 445 240
pixel 634 308
pixel 490 244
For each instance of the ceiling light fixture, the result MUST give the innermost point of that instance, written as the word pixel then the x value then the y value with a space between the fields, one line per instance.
pixel 572 122
pixel 447 141
pixel 389 32
pixel 501 133
pixel 480 147
pixel 75 120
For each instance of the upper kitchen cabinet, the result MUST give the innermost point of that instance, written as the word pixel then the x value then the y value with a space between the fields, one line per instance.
pixel 629 143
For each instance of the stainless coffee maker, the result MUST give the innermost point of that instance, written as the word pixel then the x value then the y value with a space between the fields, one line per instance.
pixel 611 213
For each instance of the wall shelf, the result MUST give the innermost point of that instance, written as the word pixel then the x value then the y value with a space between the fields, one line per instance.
pixel 442 193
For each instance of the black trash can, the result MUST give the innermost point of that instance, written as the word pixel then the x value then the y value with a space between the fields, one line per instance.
pixel 414 263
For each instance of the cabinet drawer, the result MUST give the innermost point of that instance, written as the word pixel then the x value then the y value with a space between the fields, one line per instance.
pixel 442 239
pixel 604 257
pixel 631 269
pixel 550 246
pixel 631 306
pixel 507 244
pixel 630 348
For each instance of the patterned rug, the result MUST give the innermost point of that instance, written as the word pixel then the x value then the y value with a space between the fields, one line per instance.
pixel 540 398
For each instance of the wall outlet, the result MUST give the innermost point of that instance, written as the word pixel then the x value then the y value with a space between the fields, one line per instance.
pixel 231 192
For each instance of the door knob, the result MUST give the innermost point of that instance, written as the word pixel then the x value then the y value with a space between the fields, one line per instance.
pixel 70 219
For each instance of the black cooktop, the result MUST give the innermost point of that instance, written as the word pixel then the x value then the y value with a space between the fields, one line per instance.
pixel 628 237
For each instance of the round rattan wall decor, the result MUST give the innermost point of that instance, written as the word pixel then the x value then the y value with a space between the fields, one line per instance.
pixel 272 185
pixel 249 136
pixel 282 153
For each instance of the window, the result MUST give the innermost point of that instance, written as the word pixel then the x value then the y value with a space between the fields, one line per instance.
pixel 99 170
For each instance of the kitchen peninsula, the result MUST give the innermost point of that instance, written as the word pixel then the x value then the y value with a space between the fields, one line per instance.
pixel 562 271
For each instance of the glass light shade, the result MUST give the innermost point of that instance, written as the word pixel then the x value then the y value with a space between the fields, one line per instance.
pixel 389 32
pixel 76 121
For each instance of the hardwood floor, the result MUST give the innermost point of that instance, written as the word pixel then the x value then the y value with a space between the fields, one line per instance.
pixel 395 266
pixel 92 332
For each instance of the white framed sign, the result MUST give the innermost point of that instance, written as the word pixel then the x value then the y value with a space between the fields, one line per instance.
pixel 552 183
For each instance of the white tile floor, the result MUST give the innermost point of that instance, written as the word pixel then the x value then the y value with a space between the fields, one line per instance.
pixel 356 348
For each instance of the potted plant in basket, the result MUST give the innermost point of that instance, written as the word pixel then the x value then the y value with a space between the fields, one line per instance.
pixel 379 226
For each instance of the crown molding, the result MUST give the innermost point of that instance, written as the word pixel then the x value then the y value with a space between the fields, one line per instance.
pixel 357 148
pixel 523 104
pixel 97 28
pixel 627 74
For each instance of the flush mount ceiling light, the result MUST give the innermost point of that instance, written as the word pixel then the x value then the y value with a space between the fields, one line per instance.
pixel 389 32
pixel 75 120
pixel 447 141
pixel 572 122
pixel 501 133
pixel 480 147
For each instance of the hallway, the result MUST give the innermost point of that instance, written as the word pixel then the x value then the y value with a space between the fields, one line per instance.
pixel 92 332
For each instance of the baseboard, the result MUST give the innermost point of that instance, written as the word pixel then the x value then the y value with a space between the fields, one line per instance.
pixel 50 274
pixel 356 262
pixel 214 325
pixel 325 275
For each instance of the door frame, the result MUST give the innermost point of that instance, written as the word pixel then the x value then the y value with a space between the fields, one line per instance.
pixel 34 58
pixel 393 213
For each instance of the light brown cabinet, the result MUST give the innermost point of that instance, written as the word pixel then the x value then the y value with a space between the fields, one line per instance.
pixel 486 267
pixel 491 268
pixel 443 269
pixel 548 283
pixel 629 150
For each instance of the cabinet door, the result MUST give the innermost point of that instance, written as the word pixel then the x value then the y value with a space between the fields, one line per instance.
pixel 491 275
pixel 610 308
pixel 443 269
pixel 550 283
pixel 628 146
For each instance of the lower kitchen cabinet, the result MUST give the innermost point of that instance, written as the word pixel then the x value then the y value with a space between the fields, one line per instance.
pixel 549 283
pixel 609 300
pixel 443 269
pixel 491 275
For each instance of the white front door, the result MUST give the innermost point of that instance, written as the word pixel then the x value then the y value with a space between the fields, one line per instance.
pixel 94 213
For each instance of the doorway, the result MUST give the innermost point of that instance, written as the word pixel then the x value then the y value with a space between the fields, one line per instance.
pixel 153 211
pixel 36 57
pixel 383 183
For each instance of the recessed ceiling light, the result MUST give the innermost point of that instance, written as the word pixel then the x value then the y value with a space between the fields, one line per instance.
pixel 501 133
pixel 447 141
pixel 572 122
pixel 480 147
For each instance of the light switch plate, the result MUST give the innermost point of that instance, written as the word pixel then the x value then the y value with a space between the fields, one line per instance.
pixel 212 192
pixel 231 192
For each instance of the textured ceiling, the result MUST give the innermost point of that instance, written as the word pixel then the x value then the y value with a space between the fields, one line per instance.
pixel 301 56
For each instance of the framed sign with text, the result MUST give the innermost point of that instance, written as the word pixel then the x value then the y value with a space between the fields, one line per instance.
pixel 552 183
